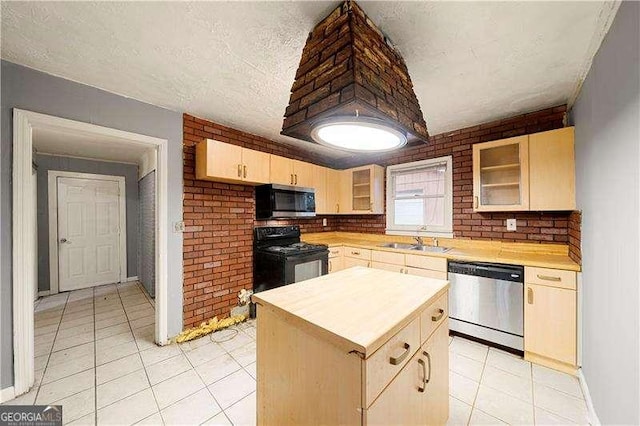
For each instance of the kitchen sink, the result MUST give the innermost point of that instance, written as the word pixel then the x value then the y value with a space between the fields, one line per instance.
pixel 403 246
pixel 432 249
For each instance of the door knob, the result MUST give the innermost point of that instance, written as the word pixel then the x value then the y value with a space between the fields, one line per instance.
pixel 64 241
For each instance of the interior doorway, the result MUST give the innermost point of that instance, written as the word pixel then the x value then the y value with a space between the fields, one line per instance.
pixel 100 142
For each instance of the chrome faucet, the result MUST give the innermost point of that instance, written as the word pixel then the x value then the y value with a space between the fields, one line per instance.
pixel 419 240
pixel 435 242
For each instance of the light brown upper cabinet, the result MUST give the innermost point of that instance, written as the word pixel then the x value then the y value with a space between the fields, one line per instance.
pixel 353 191
pixel 334 189
pixel 552 179
pixel 281 169
pixel 366 193
pixel 531 172
pixel 225 162
pixel 303 174
pixel 320 185
pixel 501 175
pixel 287 171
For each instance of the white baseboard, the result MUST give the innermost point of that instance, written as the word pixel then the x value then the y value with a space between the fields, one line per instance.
pixel 593 417
pixel 7 394
pixel 129 279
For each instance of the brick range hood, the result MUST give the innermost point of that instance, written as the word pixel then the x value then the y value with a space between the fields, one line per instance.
pixel 348 68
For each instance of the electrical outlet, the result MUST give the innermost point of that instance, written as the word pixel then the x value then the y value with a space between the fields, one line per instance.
pixel 511 225
pixel 178 226
pixel 324 221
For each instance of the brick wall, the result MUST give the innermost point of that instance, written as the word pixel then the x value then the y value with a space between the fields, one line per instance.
pixel 219 221
pixel 575 223
pixel 219 218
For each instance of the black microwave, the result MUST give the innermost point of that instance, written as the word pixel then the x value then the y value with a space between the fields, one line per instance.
pixel 282 201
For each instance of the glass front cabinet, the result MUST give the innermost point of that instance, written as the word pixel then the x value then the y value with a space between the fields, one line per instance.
pixel 501 175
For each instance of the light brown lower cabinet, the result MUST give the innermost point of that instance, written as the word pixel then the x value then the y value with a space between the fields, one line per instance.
pixel 550 318
pixel 305 379
pixel 335 264
pixel 419 394
pixel 350 262
pixel 388 267
pixel 550 332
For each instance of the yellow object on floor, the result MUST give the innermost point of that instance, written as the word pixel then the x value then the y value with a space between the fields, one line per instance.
pixel 208 327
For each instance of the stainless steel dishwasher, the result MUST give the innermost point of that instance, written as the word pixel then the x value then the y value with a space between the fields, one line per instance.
pixel 486 302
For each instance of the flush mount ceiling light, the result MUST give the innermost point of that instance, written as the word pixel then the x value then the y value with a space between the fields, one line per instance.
pixel 358 134
pixel 352 89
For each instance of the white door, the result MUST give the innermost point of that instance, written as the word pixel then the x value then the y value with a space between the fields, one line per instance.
pixel 88 232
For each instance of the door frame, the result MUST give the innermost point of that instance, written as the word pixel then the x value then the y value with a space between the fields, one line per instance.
pixel 23 228
pixel 53 175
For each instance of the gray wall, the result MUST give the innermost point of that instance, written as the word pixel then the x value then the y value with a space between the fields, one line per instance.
pixel 130 173
pixel 147 244
pixel 606 116
pixel 35 91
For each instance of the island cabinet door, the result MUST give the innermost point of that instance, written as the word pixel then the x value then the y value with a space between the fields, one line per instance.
pixel 419 394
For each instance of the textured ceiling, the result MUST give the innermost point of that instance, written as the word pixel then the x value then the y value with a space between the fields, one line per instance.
pixel 234 62
pixel 82 145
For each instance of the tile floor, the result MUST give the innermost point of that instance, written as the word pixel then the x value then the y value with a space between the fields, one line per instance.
pixel 95 355
pixel 489 386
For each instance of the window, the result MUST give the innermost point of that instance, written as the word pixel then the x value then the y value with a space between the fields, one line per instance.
pixel 419 198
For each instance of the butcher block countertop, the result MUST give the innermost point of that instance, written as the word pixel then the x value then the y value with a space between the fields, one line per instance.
pixel 554 256
pixel 357 309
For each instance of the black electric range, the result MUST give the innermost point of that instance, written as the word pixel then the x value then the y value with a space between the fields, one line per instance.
pixel 279 258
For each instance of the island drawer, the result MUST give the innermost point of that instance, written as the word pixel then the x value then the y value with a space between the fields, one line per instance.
pixel 335 252
pixel 383 365
pixel 388 257
pixel 434 315
pixel 357 253
pixel 427 262
pixel 550 277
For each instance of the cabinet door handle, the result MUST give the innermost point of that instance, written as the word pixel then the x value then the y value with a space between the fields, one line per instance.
pixel 355 253
pixel 329 266
pixel 475 202
pixel 239 170
pixel 548 278
pixel 402 270
pixel 337 208
pixel 397 360
pixel 295 179
pixel 530 295
pixel 426 378
pixel 291 178
pixel 438 316
pixel 244 171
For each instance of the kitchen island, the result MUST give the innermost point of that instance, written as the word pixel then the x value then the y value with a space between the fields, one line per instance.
pixel 361 346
